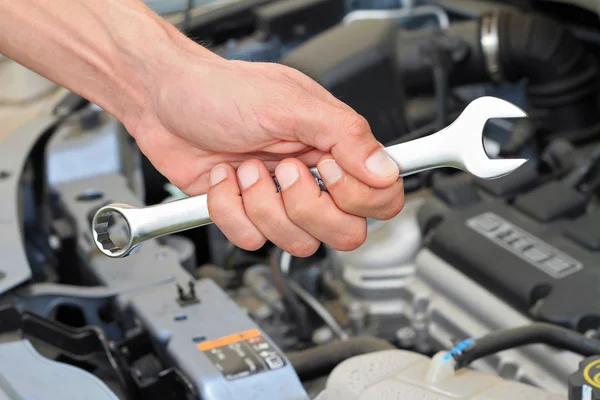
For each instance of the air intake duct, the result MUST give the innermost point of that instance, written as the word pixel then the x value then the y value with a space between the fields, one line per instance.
pixel 375 65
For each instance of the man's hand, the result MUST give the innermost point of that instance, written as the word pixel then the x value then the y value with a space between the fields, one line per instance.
pixel 214 125
pixel 224 126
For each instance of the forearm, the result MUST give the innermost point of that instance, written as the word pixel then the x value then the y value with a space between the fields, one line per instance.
pixel 109 51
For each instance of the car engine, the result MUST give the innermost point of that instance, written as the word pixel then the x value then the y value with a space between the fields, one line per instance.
pixel 478 289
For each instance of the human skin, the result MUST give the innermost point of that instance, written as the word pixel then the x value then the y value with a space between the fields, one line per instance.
pixel 216 126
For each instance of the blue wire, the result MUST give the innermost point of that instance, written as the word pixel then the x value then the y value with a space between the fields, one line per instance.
pixel 458 349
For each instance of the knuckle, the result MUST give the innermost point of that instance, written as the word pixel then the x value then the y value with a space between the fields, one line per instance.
pixel 292 73
pixel 356 126
pixel 359 237
pixel 352 241
pixel 299 213
pixel 259 211
pixel 276 116
pixel 355 203
pixel 295 77
pixel 303 249
pixel 250 241
pixel 385 214
pixel 390 210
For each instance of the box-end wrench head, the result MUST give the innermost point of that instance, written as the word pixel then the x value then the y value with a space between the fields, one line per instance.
pixel 460 145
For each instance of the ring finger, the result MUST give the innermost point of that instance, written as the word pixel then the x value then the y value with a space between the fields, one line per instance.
pixel 264 207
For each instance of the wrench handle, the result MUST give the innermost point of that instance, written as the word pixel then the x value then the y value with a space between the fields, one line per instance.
pixel 315 174
pixel 140 224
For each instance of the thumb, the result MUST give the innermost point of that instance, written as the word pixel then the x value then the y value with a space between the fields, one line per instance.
pixel 348 137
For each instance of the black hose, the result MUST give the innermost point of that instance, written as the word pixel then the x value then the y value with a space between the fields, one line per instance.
pixel 563 76
pixel 320 360
pixel 289 296
pixel 583 169
pixel 536 333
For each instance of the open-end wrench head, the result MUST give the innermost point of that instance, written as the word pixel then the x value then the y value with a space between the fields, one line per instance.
pixel 468 131
pixel 460 145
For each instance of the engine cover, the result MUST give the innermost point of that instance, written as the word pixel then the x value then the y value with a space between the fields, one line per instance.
pixel 537 250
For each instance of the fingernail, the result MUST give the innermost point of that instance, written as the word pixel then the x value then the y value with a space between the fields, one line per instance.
pixel 286 175
pixel 380 163
pixel 247 174
pixel 217 174
pixel 330 171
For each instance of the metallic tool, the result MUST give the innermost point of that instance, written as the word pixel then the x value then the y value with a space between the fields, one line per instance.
pixel 460 145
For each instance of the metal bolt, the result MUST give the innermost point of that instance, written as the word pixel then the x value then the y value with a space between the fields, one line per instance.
pixel 406 336
pixel 357 314
pixel 322 335
pixel 419 321
pixel 54 242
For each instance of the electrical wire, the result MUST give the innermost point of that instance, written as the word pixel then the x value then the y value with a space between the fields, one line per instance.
pixel 320 310
pixel 471 350
pixel 310 300
pixel 289 296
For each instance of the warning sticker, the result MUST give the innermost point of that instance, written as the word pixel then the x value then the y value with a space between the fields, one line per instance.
pixel 242 354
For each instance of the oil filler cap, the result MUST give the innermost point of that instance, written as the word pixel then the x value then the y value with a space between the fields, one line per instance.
pixel 585 383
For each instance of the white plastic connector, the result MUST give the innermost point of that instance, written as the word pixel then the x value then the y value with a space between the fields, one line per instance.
pixel 441 368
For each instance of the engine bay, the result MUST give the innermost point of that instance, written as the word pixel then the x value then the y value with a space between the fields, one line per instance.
pixel 478 289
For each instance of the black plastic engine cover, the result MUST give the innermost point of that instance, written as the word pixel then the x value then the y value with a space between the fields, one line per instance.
pixel 356 63
pixel 545 270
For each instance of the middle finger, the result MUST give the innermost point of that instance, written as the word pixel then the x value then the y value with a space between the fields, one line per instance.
pixel 314 211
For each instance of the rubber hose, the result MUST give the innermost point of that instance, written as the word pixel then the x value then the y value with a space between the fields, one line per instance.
pixel 563 76
pixel 320 360
pixel 536 333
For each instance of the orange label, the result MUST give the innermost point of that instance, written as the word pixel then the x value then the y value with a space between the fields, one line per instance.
pixel 225 340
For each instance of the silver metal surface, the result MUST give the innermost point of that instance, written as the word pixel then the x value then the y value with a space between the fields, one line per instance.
pixel 375 276
pixel 439 305
pixel 400 14
pixel 458 307
pixel 490 44
pixel 413 294
pixel 459 145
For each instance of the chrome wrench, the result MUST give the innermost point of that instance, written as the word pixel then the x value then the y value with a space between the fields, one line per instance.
pixel 460 145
